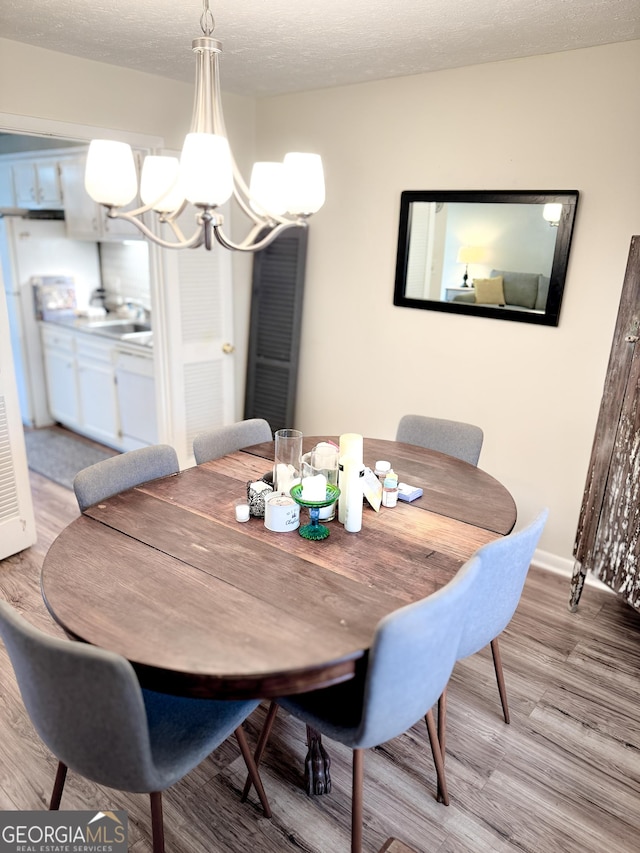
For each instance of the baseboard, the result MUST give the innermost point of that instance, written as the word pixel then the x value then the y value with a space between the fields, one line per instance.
pixel 563 566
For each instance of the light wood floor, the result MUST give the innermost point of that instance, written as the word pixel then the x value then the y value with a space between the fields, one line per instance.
pixel 564 776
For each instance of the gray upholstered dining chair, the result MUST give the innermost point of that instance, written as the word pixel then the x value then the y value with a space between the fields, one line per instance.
pixel 504 564
pixel 214 443
pixel 455 438
pixel 87 706
pixel 413 653
pixel 124 471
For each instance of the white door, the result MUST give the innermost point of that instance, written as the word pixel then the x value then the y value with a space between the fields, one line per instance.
pixel 17 523
pixel 193 336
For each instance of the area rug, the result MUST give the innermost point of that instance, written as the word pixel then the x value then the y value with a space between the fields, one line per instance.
pixel 59 456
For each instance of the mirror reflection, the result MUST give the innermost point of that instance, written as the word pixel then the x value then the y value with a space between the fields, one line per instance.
pixel 496 254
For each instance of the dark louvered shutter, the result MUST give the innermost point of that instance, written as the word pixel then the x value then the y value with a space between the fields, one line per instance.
pixel 274 336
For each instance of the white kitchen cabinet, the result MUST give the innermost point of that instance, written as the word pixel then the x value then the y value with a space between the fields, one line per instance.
pixel 98 406
pixel 37 184
pixel 100 387
pixel 86 220
pixel 7 195
pixel 60 373
pixel 136 390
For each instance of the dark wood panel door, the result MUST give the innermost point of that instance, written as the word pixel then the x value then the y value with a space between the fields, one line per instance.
pixel 607 538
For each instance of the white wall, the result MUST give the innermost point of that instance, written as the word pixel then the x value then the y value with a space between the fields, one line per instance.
pixel 562 121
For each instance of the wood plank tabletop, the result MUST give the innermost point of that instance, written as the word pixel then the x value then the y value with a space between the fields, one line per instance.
pixel 202 605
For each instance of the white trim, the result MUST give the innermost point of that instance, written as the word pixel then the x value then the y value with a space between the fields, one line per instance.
pixel 12 123
pixel 563 566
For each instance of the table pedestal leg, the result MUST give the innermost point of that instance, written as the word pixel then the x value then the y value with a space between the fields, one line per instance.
pixel 316 765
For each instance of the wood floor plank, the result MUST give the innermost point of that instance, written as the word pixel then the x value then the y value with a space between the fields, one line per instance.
pixel 564 776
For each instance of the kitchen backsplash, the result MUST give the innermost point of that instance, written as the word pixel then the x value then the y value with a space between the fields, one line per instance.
pixel 125 270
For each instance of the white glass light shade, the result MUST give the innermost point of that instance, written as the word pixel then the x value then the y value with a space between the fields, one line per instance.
pixel 110 174
pixel 267 188
pixel 304 179
pixel 206 173
pixel 160 184
pixel 552 212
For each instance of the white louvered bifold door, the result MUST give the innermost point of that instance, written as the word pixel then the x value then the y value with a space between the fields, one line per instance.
pixel 17 524
pixel 192 332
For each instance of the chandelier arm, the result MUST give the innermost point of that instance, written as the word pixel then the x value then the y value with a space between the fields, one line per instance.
pixel 241 191
pixel 238 184
pixel 114 213
pixel 241 194
pixel 176 229
pixel 192 242
pixel 171 215
pixel 249 244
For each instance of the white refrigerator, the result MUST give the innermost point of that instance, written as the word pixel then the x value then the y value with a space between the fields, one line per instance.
pixel 28 248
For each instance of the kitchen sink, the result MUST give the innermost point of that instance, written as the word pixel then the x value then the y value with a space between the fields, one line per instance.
pixel 117 328
pixel 143 338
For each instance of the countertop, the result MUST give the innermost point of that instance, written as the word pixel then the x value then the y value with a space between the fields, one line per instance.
pixel 115 328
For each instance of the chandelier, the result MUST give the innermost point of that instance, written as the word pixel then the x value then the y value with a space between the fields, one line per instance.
pixel 280 195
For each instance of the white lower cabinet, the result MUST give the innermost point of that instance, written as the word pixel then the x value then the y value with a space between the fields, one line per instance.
pixel 83 387
pixel 136 398
pixel 60 372
pixel 99 415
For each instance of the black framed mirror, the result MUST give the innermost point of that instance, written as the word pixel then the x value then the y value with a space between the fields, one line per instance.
pixel 496 253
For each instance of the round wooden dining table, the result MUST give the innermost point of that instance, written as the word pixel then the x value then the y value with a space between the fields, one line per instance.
pixel 204 606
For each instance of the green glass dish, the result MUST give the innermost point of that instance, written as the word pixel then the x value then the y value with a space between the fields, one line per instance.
pixel 314 530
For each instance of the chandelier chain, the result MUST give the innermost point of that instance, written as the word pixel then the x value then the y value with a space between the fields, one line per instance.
pixel 207 21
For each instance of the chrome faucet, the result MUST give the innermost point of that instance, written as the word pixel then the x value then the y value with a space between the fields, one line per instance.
pixel 143 314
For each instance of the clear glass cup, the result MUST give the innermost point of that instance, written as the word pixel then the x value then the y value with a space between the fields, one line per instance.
pixel 323 459
pixel 286 465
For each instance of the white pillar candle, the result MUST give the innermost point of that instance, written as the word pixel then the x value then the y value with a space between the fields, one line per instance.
pixel 285 478
pixel 353 485
pixel 342 485
pixel 350 448
pixel 351 445
pixel 314 488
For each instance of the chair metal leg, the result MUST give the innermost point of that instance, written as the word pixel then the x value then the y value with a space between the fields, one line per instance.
pixel 356 801
pixel 58 787
pixel 253 770
pixel 442 721
pixel 443 793
pixel 261 745
pixel 442 734
pixel 157 823
pixel 497 663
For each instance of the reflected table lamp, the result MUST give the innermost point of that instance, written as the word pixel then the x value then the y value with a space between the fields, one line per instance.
pixel 469 255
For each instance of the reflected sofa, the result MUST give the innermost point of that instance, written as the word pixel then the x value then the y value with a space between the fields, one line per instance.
pixel 516 291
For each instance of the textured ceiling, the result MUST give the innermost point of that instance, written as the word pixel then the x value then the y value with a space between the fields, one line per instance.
pixel 278 46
